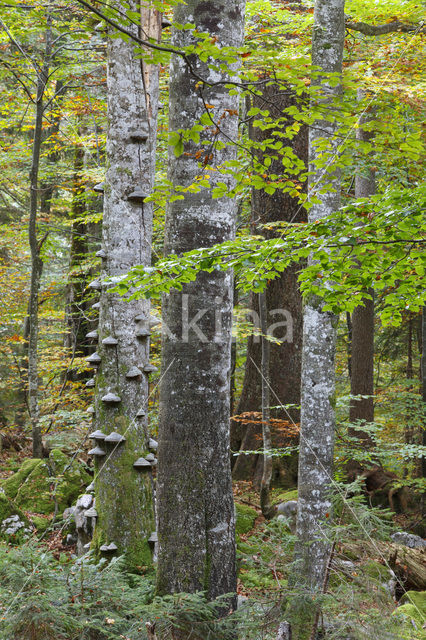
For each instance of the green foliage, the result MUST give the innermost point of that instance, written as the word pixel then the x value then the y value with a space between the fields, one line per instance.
pixel 68 600
pixel 351 254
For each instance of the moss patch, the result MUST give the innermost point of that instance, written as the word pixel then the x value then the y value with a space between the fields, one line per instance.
pixel 11 485
pixel 8 508
pixel 246 517
pixel 40 483
pixel 286 496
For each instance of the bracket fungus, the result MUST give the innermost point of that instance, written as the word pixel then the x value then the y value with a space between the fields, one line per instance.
pixel 91 382
pixel 95 284
pixel 150 368
pixel 91 513
pixel 153 444
pixel 143 332
pixel 108 548
pixel 95 358
pixel 141 464
pixel 101 253
pixel 93 335
pixel 90 487
pixel 99 187
pixel 141 413
pixel 97 435
pixel 97 305
pixel 137 196
pixel 115 438
pixel 110 341
pixel 111 398
pixel 153 539
pixel 133 373
pixel 97 451
pixel 139 135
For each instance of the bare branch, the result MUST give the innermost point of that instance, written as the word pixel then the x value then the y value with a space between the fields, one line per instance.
pixel 383 29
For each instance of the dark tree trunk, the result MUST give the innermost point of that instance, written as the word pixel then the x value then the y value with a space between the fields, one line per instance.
pixel 362 351
pixel 281 294
pixel 195 504
pixel 35 248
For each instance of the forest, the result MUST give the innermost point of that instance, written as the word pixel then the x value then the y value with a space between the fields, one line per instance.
pixel 213 320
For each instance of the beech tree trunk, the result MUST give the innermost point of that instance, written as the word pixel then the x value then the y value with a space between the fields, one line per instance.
pixel 196 529
pixel 281 294
pixel 313 547
pixel 35 248
pixel 362 342
pixel 124 494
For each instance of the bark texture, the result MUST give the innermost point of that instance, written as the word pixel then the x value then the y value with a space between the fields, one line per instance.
pixel 281 294
pixel 319 335
pixel 362 342
pixel 35 248
pixel 124 495
pixel 195 503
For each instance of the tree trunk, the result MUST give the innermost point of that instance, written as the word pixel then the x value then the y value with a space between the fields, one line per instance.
pixel 35 247
pixel 195 503
pixel 265 484
pixel 284 306
pixel 124 494
pixel 362 343
pixel 423 369
pixel 313 548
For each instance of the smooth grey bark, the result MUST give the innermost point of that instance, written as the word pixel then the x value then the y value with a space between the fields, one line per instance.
pixel 423 374
pixel 196 528
pixel 362 342
pixel 35 249
pixel 313 547
pixel 124 495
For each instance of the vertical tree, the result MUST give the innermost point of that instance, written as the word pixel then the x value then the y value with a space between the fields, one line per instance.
pixel 36 243
pixel 362 339
pixel 195 504
pixel 281 294
pixel 124 493
pixel 319 332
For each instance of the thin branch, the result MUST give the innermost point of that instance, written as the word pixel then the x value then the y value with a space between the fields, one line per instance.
pixel 383 29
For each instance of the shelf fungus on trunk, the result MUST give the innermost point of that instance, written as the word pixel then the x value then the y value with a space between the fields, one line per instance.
pixel 133 373
pixel 115 438
pixel 94 359
pixel 141 464
pixel 139 135
pixel 91 513
pixel 99 187
pixel 141 413
pixel 109 341
pixel 153 444
pixel 92 335
pixel 143 332
pixel 137 196
pixel 95 284
pixel 108 548
pixel 97 435
pixel 111 398
pixel 150 368
pixel 90 383
pixel 97 452
pixel 96 305
pixel 101 254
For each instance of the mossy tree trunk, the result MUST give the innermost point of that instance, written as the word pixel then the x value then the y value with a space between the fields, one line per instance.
pixel 195 503
pixel 124 496
pixel 313 547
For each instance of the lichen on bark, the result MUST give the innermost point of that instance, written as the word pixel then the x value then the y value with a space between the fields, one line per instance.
pixel 196 522
pixel 124 496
